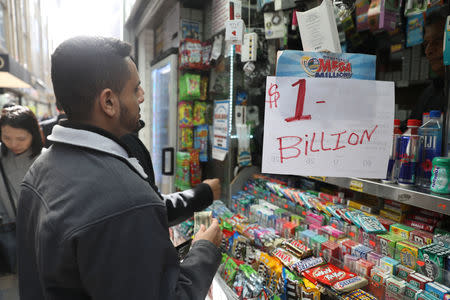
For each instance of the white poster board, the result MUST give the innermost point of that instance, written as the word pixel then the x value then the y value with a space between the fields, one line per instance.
pixel 328 127
pixel 220 129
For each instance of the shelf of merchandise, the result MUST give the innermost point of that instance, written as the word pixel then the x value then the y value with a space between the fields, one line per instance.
pixel 413 196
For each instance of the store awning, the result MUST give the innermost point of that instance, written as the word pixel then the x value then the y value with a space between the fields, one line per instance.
pixel 12 74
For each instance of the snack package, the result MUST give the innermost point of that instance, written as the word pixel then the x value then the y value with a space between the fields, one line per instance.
pixel 185 114
pixel 189 87
pixel 387 244
pixel 196 172
pixel 182 180
pixel 395 287
pixel 327 274
pixel 401 230
pixel 407 253
pixel 186 138
pixel 359 294
pixel 201 141
pixel 326 65
pixel 206 56
pixel 204 88
pixel 199 113
pixel 190 54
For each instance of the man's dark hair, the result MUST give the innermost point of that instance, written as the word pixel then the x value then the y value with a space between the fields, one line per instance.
pixel 436 15
pixel 84 66
pixel 22 117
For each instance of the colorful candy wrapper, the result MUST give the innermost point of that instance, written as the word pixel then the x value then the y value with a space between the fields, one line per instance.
pixel 285 257
pixel 327 274
pixel 199 113
pixel 196 172
pixel 185 114
pixel 182 180
pixel 204 88
pixel 191 54
pixel 189 87
pixel 186 142
pixel 359 294
pixel 201 141
pixel 350 284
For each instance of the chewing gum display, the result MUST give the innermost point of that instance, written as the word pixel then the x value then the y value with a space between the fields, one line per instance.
pixel 432 261
pixel 326 65
pixel 389 264
pixel 370 224
pixel 374 258
pixel 387 244
pixel 411 291
pixel 403 272
pixel 350 262
pixel 361 251
pixel 363 267
pixel 401 230
pixel 437 290
pixel 407 253
pixel 418 280
pixel 330 250
pixel 395 287
pixel 421 237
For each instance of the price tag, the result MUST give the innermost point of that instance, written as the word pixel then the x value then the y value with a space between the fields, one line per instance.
pixel 403 197
pixel 320 178
pixel 356 185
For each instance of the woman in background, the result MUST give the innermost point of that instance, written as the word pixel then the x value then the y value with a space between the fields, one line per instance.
pixel 21 143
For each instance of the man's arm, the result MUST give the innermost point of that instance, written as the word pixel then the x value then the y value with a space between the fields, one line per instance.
pixel 181 206
pixel 130 256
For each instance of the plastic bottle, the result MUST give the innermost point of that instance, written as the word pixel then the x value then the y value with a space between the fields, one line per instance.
pixel 392 172
pixel 408 151
pixel 431 145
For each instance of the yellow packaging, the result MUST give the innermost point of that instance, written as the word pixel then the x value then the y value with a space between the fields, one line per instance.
pixel 407 253
pixel 309 290
pixel 392 215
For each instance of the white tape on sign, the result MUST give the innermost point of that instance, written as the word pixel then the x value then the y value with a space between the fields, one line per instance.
pixel 328 127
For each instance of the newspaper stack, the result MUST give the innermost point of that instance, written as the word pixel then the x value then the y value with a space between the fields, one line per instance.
pixel 203 217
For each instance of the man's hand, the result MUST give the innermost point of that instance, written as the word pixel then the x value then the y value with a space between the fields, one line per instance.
pixel 214 184
pixel 212 234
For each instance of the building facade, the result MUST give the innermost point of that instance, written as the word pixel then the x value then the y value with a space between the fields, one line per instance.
pixel 24 47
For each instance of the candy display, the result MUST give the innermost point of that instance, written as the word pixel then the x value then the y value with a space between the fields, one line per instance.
pixel 299 243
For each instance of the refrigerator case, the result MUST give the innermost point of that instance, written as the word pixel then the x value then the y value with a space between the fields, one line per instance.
pixel 164 86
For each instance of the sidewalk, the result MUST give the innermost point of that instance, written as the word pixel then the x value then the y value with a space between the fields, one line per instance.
pixel 9 288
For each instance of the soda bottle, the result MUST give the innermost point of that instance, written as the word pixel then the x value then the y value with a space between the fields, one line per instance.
pixel 392 172
pixel 408 153
pixel 431 142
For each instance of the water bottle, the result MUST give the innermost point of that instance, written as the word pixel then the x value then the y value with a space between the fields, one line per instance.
pixel 430 147
pixel 392 172
pixel 408 153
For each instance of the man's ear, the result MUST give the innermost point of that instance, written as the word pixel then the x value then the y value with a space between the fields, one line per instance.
pixel 109 103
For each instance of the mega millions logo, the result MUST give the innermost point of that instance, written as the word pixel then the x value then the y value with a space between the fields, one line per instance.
pixel 327 67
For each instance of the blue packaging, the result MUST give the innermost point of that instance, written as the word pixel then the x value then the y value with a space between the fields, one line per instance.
pixel 326 65
pixel 408 154
pixel 431 142
pixel 436 289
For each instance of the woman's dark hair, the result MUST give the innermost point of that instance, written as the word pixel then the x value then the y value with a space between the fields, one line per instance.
pixel 84 66
pixel 22 117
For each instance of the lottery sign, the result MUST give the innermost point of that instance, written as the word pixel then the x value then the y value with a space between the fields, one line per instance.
pixel 328 127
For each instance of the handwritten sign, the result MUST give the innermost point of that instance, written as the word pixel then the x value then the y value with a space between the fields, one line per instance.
pixel 328 127
pixel 220 129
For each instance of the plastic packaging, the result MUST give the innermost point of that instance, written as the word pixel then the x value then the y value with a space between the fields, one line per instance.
pixel 408 151
pixel 392 172
pixel 440 175
pixel 431 142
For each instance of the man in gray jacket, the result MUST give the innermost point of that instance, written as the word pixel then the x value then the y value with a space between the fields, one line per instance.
pixel 89 226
